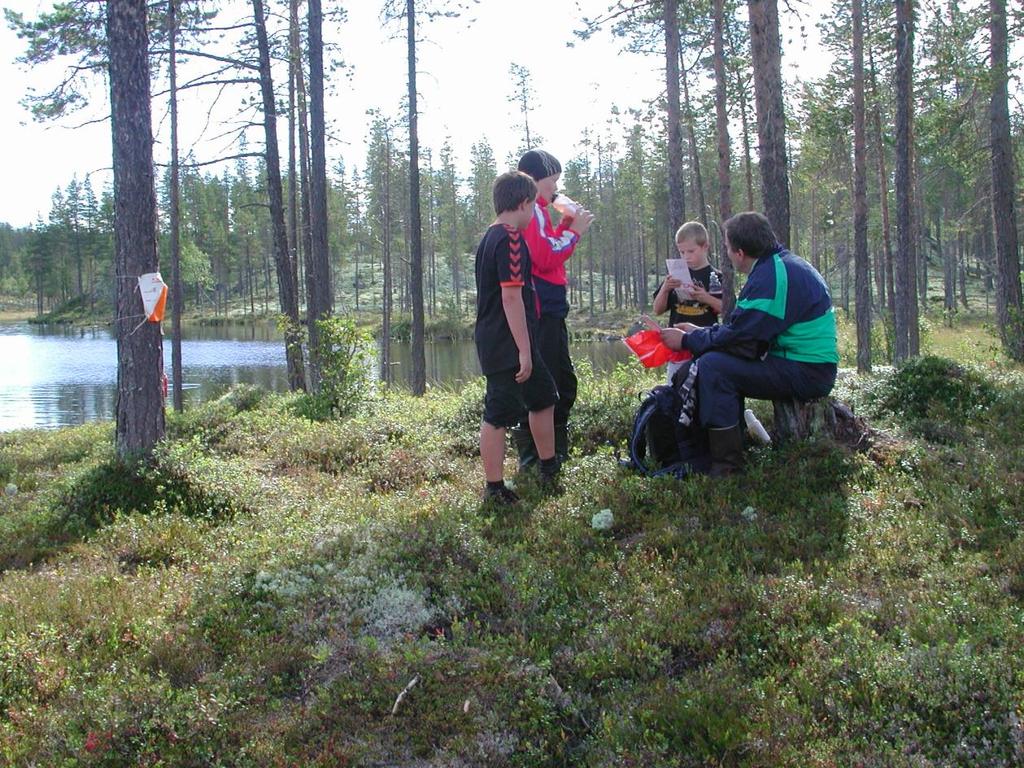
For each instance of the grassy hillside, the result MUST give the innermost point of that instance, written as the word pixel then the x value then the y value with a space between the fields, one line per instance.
pixel 279 592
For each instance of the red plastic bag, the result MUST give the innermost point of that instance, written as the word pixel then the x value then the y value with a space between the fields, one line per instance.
pixel 648 346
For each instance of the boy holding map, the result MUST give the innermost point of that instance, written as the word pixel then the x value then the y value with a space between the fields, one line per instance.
pixel 692 292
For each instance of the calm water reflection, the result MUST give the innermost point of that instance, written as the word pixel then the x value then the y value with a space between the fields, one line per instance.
pixel 56 376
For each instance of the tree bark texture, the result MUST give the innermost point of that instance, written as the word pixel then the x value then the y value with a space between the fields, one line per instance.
pixel 387 295
pixel 177 294
pixel 286 287
pixel 691 135
pixel 1008 287
pixel 319 299
pixel 676 190
pixel 305 258
pixel 724 157
pixel 862 277
pixel 140 407
pixel 419 363
pixel 766 51
pixel 294 74
pixel 797 420
pixel 903 271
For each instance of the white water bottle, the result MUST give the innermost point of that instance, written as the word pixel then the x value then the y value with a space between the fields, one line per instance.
pixel 756 428
pixel 714 284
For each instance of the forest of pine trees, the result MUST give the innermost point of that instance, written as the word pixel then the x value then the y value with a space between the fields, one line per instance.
pixel 623 174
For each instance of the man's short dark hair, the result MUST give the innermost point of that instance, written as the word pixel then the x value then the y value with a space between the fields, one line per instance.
pixel 511 189
pixel 752 233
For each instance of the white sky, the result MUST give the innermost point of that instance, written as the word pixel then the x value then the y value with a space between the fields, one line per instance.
pixel 464 87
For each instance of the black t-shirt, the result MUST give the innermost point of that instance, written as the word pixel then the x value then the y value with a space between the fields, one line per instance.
pixel 691 310
pixel 502 260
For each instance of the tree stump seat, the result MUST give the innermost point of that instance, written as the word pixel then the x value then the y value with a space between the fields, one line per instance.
pixel 800 420
pixel 823 417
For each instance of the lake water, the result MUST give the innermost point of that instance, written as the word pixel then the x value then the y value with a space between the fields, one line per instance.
pixel 55 376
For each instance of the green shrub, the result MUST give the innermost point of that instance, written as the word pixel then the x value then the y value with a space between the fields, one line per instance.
pixel 929 386
pixel 113 487
pixel 344 370
pixel 245 397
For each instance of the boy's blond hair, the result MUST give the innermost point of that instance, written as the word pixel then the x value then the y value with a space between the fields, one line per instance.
pixel 692 230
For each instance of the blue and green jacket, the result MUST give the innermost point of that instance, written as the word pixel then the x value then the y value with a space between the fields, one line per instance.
pixel 785 307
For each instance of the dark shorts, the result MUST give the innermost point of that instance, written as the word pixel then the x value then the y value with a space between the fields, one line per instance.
pixel 506 403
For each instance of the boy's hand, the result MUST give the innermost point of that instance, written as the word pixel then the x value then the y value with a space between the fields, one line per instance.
pixel 525 368
pixel 670 284
pixel 699 293
pixel 581 221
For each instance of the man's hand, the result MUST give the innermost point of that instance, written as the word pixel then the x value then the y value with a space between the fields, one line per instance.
pixel 581 221
pixel 525 367
pixel 673 337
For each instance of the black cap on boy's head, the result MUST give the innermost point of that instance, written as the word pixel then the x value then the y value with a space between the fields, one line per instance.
pixel 539 164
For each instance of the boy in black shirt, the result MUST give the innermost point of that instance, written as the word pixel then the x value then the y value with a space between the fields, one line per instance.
pixel 506 324
pixel 700 301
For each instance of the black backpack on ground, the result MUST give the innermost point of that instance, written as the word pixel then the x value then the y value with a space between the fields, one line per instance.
pixel 659 444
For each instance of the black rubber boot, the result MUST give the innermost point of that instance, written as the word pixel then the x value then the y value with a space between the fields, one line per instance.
pixel 562 442
pixel 726 447
pixel 523 441
pixel 549 470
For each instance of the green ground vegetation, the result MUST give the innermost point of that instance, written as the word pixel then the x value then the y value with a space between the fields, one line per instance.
pixel 264 592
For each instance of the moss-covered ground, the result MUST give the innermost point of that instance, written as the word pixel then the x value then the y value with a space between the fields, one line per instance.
pixel 273 591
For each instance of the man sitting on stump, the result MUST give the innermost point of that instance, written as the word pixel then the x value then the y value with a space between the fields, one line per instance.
pixel 779 343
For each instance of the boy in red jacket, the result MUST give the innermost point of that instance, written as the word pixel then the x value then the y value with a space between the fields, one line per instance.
pixel 550 247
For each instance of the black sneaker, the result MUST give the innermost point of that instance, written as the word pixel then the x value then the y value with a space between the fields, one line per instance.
pixel 502 495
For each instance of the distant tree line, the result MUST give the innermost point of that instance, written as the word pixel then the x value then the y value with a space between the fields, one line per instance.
pixel 227 257
pixel 897 167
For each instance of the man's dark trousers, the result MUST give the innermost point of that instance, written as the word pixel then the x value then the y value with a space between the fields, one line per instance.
pixel 723 380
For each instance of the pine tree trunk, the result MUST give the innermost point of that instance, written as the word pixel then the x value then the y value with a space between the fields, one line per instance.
pixel 294 76
pixel 140 408
pixel 919 270
pixel 741 90
pixel 453 244
pixel 177 295
pixel 883 197
pixel 698 179
pixel 947 252
pixel 904 261
pixel 862 277
pixel 319 299
pixel 387 289
pixel 304 264
pixel 724 165
pixel 419 363
pixel 962 267
pixel 287 292
pixel 676 193
pixel 1008 287
pixel 766 52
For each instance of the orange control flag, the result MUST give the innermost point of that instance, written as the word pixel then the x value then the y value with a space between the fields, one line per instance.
pixel 154 295
pixel 652 351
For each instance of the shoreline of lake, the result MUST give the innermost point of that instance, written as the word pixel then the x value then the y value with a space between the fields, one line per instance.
pixel 64 375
